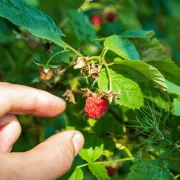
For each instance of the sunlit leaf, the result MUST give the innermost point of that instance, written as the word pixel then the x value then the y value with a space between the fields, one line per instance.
pixel 121 46
pixel 98 170
pixel 149 71
pixel 129 92
pixel 77 175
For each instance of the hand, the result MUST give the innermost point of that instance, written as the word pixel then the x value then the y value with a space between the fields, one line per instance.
pixel 50 159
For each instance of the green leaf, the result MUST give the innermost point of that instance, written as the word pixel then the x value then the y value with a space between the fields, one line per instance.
pixel 147 170
pixel 121 46
pixel 92 150
pixel 152 52
pixel 173 88
pixel 5 31
pixel 38 23
pixel 130 94
pixel 149 71
pixel 137 34
pixel 82 26
pixel 77 175
pixel 176 107
pixel 98 170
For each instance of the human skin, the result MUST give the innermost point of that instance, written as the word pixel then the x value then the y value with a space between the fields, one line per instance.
pixel 50 159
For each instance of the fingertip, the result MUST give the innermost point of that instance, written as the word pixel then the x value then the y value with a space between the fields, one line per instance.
pixel 59 106
pixel 78 142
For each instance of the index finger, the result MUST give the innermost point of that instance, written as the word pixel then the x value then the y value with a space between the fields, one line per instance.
pixel 19 99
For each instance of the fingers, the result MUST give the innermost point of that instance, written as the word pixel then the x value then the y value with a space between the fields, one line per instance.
pixel 25 100
pixel 47 161
pixel 10 131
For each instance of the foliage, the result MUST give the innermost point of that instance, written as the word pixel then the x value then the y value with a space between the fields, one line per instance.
pixel 132 60
pixel 142 170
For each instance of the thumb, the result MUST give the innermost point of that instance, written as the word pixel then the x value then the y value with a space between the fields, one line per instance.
pixel 49 160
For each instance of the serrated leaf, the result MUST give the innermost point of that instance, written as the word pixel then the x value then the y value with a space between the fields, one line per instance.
pixel 77 175
pixel 37 22
pixel 152 52
pixel 98 170
pixel 147 170
pixel 82 26
pixel 121 46
pixel 149 71
pixel 137 34
pixel 173 88
pixel 130 94
pixel 176 107
pixel 92 150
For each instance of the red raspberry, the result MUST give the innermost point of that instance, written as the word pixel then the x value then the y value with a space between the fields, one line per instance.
pixel 111 171
pixel 96 107
pixel 110 17
pixel 96 20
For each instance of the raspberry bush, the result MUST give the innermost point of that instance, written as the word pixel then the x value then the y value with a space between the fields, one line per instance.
pixel 112 61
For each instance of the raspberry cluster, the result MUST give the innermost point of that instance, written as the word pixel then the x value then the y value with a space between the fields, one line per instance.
pixel 96 107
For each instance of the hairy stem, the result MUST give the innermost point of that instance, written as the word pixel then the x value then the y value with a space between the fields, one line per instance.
pixel 117 160
pixel 107 162
pixel 109 76
pixel 73 50
pixel 49 60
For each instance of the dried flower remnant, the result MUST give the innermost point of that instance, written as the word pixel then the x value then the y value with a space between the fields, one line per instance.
pixel 70 96
pixel 45 74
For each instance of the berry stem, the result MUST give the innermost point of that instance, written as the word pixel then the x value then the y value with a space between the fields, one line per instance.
pixel 117 160
pixel 49 60
pixel 109 76
pixel 73 50
pixel 107 162
pixel 104 51
pixel 96 57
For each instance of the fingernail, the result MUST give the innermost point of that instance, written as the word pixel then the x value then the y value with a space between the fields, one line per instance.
pixel 78 142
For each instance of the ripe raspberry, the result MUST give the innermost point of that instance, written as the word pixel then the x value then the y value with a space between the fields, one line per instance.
pixel 96 107
pixel 96 20
pixel 111 171
pixel 110 17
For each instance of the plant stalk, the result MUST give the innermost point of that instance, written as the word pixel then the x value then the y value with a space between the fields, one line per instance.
pixel 73 50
